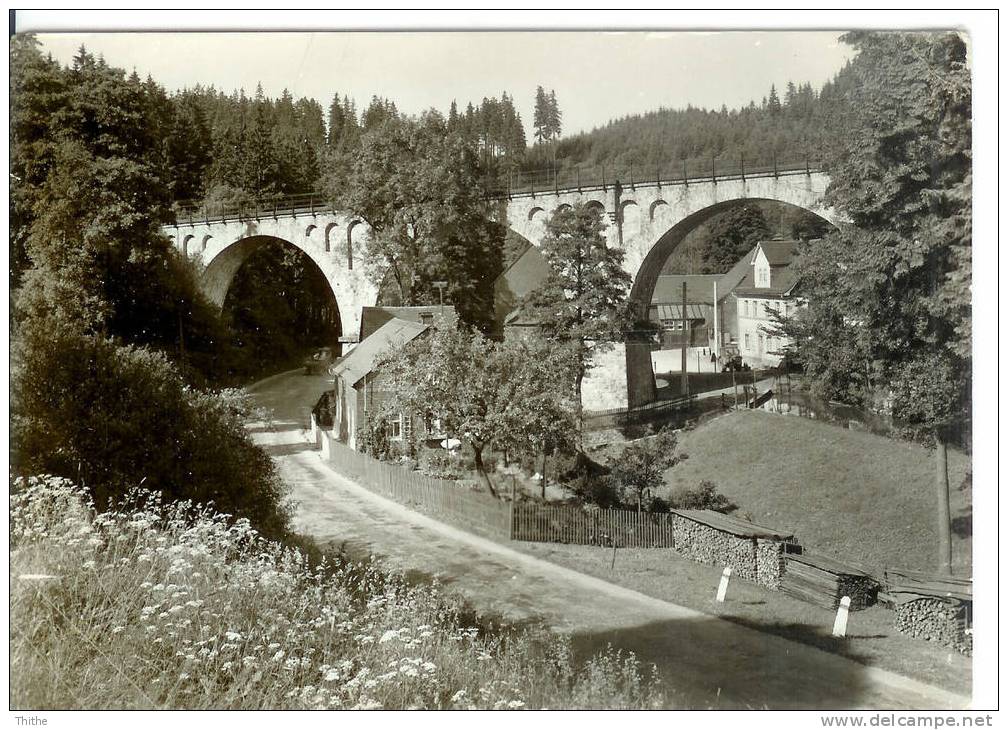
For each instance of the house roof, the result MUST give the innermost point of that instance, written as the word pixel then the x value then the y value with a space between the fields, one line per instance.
pixel 699 289
pixel 362 359
pixel 524 274
pixel 780 255
pixel 735 275
pixel 372 318
pixel 674 311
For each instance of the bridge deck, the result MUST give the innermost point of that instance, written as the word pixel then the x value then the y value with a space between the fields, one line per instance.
pixel 516 186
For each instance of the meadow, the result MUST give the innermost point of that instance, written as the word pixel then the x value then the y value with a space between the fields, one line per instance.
pixel 175 606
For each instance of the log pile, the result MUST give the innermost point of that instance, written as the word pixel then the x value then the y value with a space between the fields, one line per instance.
pixel 935 608
pixel 753 552
pixel 936 620
pixel 823 581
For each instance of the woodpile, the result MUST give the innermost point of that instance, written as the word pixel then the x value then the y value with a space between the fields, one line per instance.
pixel 823 581
pixel 935 608
pixel 753 552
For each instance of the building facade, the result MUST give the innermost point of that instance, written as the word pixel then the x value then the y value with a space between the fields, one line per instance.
pixel 768 289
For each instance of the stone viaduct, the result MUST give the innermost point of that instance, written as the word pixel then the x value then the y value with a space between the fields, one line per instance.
pixel 648 220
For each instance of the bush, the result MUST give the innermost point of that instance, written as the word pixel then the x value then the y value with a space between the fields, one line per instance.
pixel 439 463
pixel 115 417
pixel 705 496
pixel 178 607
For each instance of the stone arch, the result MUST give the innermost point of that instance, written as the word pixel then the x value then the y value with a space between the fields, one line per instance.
pixel 646 275
pixel 647 267
pixel 563 206
pixel 595 204
pixel 206 239
pixel 220 271
pixel 630 213
pixel 308 231
pixel 652 210
pixel 328 229
pixel 185 243
pixel 351 227
pixel 533 212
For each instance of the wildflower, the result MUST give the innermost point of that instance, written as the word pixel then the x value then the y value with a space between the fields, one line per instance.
pixel 429 666
pixel 388 636
pixel 226 666
pixel 278 656
pixel 118 629
pixel 232 636
pixel 515 704
pixel 458 696
pixel 182 677
pixel 89 564
pixel 331 675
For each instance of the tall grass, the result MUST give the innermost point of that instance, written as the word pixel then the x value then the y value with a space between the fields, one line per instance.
pixel 176 606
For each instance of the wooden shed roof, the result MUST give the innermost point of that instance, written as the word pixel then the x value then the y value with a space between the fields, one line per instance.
pixel 731 525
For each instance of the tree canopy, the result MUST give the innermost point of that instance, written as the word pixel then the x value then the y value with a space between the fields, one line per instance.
pixel 888 314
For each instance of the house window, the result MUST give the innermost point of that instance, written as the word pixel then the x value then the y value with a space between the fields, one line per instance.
pixel 426 318
pixel 747 341
pixel 395 428
pixel 761 343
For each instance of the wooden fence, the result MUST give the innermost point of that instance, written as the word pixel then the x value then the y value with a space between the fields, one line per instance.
pixel 451 501
pixel 559 523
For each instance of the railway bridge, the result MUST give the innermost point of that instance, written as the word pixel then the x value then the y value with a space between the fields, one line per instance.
pixel 648 218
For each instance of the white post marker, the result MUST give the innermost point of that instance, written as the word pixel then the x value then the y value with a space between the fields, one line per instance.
pixel 840 624
pixel 722 588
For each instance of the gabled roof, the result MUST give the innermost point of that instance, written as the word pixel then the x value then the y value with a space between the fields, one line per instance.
pixel 735 275
pixel 782 276
pixel 699 289
pixel 362 359
pixel 778 253
pixel 372 318
pixel 524 274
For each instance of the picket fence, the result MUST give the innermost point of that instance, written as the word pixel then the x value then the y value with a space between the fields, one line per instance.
pixel 452 501
pixel 560 523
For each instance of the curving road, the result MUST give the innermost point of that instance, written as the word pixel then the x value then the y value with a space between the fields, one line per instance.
pixel 704 662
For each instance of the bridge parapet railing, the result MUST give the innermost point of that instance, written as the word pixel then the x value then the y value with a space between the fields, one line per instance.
pixel 193 212
pixel 521 183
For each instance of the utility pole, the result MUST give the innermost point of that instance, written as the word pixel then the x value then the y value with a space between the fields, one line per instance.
pixel 685 340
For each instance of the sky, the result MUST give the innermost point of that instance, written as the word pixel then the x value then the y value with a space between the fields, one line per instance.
pixel 597 76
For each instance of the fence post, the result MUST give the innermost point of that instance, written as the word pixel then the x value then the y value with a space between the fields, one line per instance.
pixel 603 178
pixel 808 170
pixel 685 174
pixel 742 156
pixel 511 526
pixel 578 169
pixel 775 164
pixel 631 177
pixel 556 185
pixel 712 173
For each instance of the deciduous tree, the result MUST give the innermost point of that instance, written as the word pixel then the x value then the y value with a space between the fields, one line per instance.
pixel 892 287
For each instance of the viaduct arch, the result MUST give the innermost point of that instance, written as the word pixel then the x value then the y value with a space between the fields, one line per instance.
pixel 647 220
pixel 333 241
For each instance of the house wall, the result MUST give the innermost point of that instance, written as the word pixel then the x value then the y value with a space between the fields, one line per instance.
pixel 756 347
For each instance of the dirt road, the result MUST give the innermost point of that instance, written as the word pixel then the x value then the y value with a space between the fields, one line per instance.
pixel 704 661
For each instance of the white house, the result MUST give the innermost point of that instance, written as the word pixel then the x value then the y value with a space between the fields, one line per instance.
pixel 769 286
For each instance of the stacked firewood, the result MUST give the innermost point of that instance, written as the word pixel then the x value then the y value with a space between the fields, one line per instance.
pixel 753 552
pixel 934 619
pixel 936 608
pixel 823 581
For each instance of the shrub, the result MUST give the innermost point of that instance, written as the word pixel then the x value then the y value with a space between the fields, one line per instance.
pixel 705 496
pixel 439 463
pixel 115 417
pixel 179 607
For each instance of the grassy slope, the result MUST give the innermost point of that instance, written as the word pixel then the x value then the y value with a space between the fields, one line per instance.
pixel 848 494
